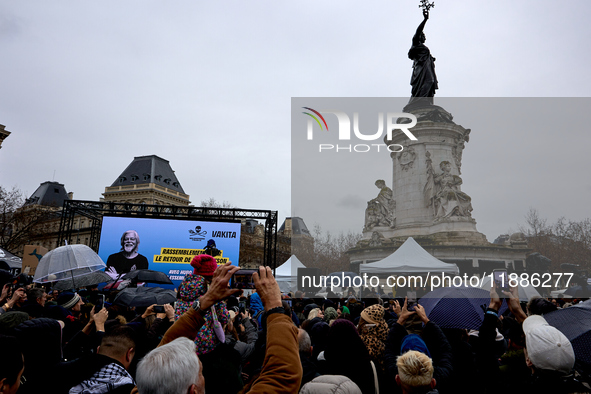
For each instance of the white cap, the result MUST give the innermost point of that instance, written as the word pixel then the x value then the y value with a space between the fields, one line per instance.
pixel 547 348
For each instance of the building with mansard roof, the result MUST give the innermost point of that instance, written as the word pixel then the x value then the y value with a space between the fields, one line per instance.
pixel 147 180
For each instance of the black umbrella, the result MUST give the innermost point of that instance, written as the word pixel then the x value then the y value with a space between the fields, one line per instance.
pixel 457 307
pixel 578 291
pixel 145 296
pixel 148 276
pixel 93 278
pixel 575 323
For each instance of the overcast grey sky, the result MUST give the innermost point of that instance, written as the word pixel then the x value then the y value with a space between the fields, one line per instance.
pixel 86 86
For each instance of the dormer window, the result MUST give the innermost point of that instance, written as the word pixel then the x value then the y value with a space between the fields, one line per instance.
pixel 167 181
pixel 175 184
pixel 158 177
pixel 146 177
pixel 134 178
pixel 122 179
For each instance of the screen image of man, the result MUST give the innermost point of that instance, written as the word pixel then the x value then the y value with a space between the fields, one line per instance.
pixel 128 259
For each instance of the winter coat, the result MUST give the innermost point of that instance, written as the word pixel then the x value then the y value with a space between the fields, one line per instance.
pixel 336 384
pixel 281 372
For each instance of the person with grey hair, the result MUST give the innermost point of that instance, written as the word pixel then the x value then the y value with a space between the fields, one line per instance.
pixel 310 370
pixel 38 295
pixel 173 368
pixel 281 370
pixel 128 259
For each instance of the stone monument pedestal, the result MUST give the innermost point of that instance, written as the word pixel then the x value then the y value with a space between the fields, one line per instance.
pixel 428 202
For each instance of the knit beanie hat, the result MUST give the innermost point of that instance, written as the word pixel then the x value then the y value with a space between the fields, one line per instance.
pixel 204 265
pixel 68 299
pixel 414 342
pixel 330 314
pixel 11 319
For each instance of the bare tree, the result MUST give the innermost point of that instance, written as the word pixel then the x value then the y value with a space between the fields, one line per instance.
pixel 21 224
pixel 329 251
pixel 536 225
pixel 563 242
pixel 10 201
pixel 213 203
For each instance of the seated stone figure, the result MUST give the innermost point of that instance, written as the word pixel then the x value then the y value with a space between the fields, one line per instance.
pixel 450 200
pixel 443 193
pixel 381 210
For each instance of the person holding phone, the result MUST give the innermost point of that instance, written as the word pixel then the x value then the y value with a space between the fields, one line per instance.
pixel 281 368
pixel 18 298
pixel 432 343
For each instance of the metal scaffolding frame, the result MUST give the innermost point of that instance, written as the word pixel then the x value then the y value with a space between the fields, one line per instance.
pixel 95 210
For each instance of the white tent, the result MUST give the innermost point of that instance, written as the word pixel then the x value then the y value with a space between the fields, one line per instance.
pixel 287 274
pixel 13 261
pixel 409 258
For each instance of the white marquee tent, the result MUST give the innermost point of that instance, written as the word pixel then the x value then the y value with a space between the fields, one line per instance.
pixel 287 274
pixel 13 261
pixel 410 258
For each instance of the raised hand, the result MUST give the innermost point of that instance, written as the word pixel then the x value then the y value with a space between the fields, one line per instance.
pixel 404 312
pixel 5 291
pixel 169 310
pixel 100 318
pixel 495 301
pixel 267 288
pixel 149 311
pixel 396 308
pixel 513 301
pixel 218 289
pixel 421 313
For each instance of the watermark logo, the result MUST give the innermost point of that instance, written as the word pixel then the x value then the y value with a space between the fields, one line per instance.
pixel 344 132
pixel 316 119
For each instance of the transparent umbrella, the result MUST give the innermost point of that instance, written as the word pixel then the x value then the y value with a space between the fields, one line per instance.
pixel 68 262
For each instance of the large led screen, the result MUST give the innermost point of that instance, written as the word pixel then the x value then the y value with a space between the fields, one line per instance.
pixel 165 245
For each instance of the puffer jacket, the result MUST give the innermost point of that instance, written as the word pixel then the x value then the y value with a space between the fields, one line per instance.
pixel 336 384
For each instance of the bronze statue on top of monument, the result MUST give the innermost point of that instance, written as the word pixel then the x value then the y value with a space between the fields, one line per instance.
pixel 423 80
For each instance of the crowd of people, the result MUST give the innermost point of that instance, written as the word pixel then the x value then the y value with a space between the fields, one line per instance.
pixel 215 340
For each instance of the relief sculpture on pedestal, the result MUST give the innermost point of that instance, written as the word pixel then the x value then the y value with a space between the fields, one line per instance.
pixel 442 193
